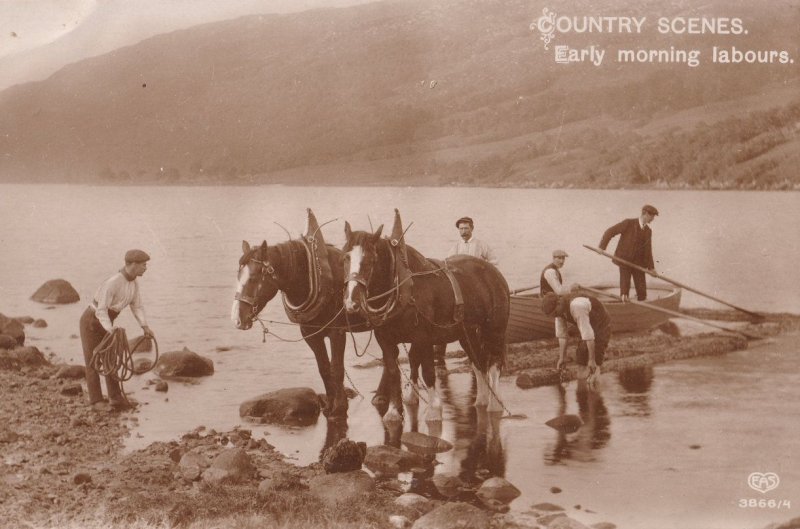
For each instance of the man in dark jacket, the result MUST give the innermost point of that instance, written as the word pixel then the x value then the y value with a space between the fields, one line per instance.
pixel 635 246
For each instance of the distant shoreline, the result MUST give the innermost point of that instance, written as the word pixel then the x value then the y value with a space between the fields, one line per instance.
pixel 570 187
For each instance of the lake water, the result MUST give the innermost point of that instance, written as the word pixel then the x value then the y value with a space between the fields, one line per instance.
pixel 668 447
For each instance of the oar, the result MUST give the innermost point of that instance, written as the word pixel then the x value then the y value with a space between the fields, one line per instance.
pixel 671 313
pixel 524 289
pixel 668 280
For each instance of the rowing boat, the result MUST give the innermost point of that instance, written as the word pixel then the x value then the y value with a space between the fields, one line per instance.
pixel 527 321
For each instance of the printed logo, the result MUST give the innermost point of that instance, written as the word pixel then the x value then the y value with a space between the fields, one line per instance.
pixel 546 25
pixel 763 482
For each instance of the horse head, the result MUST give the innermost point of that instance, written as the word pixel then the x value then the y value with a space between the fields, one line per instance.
pixel 257 284
pixel 361 260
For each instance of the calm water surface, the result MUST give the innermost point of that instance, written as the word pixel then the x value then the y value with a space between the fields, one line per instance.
pixel 667 447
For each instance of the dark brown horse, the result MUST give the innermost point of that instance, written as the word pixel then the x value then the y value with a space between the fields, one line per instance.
pixel 411 299
pixel 288 268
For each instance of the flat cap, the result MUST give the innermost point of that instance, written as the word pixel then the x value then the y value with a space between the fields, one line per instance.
pixel 549 304
pixel 647 208
pixel 560 253
pixel 136 256
pixel 465 219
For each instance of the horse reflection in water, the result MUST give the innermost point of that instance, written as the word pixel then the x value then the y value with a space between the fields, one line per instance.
pixel 592 435
pixel 478 449
pixel 421 307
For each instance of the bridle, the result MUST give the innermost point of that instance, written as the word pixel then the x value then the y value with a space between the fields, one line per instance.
pixel 268 273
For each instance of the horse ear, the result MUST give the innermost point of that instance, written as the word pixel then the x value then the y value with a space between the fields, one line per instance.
pixel 348 232
pixel 245 247
pixel 264 247
pixel 377 235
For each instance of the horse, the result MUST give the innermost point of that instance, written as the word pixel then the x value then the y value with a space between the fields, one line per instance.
pixel 288 267
pixel 425 302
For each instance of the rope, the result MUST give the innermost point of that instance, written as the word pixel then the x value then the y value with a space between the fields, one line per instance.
pixel 113 357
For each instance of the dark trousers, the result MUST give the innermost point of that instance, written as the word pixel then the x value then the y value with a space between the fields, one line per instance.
pixel 601 339
pixel 92 333
pixel 639 282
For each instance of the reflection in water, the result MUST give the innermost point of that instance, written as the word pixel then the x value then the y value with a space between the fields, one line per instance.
pixel 592 435
pixel 477 433
pixel 636 382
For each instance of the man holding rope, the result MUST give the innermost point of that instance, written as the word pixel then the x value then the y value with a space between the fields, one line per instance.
pixel 116 293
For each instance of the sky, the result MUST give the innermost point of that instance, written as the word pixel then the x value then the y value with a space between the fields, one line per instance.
pixel 37 37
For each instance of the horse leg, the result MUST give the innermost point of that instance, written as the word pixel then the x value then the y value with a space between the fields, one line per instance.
pixel 434 411
pixel 472 345
pixel 411 394
pixel 338 403
pixel 391 374
pixel 493 345
pixel 317 344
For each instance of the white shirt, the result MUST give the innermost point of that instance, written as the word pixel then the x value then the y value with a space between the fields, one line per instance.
pixel 579 309
pixel 116 293
pixel 552 279
pixel 475 248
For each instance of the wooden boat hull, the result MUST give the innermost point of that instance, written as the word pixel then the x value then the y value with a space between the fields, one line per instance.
pixel 527 322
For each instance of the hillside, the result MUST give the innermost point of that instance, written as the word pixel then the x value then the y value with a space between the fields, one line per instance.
pixel 415 92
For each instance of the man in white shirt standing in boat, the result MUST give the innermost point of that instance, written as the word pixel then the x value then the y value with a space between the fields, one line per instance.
pixel 116 293
pixel 594 325
pixel 469 245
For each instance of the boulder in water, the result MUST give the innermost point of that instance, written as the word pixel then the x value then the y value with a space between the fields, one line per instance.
pixel 298 406
pixel 56 291
pixel 184 363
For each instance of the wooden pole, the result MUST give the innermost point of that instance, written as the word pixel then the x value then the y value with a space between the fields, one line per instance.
pixel 668 280
pixel 671 313
pixel 523 289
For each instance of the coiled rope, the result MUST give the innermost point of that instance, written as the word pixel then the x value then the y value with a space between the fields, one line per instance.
pixel 113 357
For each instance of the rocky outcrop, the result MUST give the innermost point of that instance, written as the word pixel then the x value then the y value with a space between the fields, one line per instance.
pixel 344 456
pixel 390 460
pixel 344 487
pixel 298 406
pixel 22 357
pixel 13 328
pixel 7 342
pixel 71 372
pixel 231 466
pixel 56 292
pixel 454 515
pixel 498 489
pixel 184 363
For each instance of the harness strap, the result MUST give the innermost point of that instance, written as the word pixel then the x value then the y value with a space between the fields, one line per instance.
pixel 458 309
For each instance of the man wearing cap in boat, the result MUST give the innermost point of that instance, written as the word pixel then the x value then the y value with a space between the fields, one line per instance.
pixel 594 325
pixel 551 279
pixel 469 245
pixel 117 292
pixel 634 246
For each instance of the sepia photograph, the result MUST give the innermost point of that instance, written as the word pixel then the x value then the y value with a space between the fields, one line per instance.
pixel 399 264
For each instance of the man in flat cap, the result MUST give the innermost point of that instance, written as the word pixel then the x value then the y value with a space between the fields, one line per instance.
pixel 634 246
pixel 594 325
pixel 551 278
pixel 469 245
pixel 117 292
